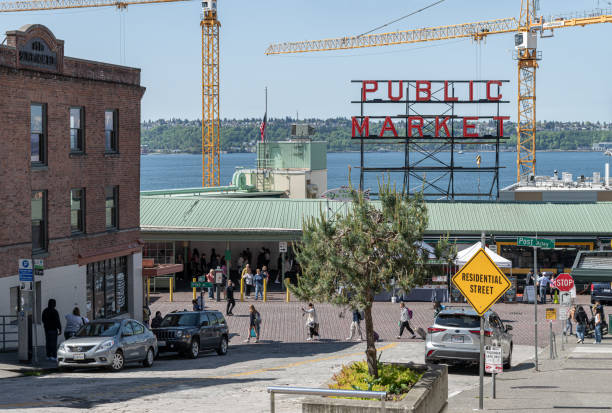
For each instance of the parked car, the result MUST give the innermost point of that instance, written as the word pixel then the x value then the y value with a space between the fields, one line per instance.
pixel 454 338
pixel 189 332
pixel 601 292
pixel 108 343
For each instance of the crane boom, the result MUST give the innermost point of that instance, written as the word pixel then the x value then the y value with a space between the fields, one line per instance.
pixel 33 5
pixel 476 30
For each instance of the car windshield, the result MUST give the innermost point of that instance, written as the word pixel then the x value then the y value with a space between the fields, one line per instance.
pixel 107 329
pixel 458 320
pixel 178 320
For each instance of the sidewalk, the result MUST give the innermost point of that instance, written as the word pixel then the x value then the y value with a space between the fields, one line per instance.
pixel 10 366
pixel 577 380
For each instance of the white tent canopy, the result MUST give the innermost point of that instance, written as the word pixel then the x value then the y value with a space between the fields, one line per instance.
pixel 465 255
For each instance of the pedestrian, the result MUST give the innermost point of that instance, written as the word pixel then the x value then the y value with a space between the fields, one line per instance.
pixel 146 314
pixel 355 326
pixel 229 294
pixel 551 289
pixel 156 322
pixel 581 319
pixel 254 324
pixel 196 305
pixel 567 329
pixel 266 275
pixel 210 277
pixel 543 281
pixel 53 328
pixel 258 280
pixel 247 275
pixel 405 317
pixel 598 322
pixel 74 322
pixel 312 322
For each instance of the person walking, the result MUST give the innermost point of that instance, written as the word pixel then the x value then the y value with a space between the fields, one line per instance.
pixel 53 328
pixel 229 294
pixel 247 275
pixel 196 305
pixel 567 329
pixel 157 320
pixel 543 281
pixel 258 280
pixel 254 324
pixel 355 326
pixel 312 322
pixel 581 322
pixel 598 322
pixel 146 314
pixel 74 322
pixel 210 277
pixel 405 317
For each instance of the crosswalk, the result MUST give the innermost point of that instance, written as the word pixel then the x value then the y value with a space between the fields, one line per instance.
pixel 593 349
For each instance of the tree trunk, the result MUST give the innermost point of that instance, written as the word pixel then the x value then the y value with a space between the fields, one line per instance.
pixel 371 343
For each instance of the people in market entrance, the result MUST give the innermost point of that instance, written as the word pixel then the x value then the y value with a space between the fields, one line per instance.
pixel 581 319
pixel 210 277
pixel 74 322
pixel 312 322
pixel 258 280
pixel 543 282
pixel 254 324
pixel 229 294
pixel 156 322
pixel 247 275
pixel 405 317
pixel 355 326
pixel 53 328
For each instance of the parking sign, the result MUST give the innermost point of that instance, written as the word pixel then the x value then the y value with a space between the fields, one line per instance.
pixel 493 359
pixel 25 270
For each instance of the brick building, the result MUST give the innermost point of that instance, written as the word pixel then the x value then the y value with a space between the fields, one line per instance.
pixel 69 177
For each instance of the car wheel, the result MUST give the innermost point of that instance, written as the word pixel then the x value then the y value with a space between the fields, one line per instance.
pixel 148 361
pixel 508 363
pixel 117 361
pixel 222 350
pixel 194 349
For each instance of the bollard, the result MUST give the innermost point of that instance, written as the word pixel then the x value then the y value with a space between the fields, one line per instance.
pixel 288 292
pixel 265 292
pixel 242 289
pixel 170 280
pixel 194 291
pixel 552 340
pixel 148 288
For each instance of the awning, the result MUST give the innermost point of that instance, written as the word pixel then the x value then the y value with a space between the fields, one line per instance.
pixel 592 266
pixel 162 269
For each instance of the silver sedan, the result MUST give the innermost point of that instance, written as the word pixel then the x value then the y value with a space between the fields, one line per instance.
pixel 108 343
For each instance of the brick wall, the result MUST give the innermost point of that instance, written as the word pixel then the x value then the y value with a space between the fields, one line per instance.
pixel 94 170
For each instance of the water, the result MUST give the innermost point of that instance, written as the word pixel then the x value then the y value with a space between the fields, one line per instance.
pixel 185 171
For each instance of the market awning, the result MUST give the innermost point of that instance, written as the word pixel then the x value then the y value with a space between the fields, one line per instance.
pixel 162 269
pixel 593 266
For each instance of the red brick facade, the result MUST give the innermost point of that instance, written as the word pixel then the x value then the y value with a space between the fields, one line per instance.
pixel 60 83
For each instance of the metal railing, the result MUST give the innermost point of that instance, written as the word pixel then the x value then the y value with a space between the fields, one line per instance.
pixel 306 391
pixel 10 321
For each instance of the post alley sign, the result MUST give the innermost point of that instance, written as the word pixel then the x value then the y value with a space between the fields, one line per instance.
pixel 432 109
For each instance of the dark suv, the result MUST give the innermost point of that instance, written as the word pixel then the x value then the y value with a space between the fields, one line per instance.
pixel 601 292
pixel 188 332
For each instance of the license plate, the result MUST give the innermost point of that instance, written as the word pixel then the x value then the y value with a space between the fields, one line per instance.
pixel 606 290
pixel 457 339
pixel 161 343
pixel 79 356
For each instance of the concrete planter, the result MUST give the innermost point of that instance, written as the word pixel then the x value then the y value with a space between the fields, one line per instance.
pixel 429 395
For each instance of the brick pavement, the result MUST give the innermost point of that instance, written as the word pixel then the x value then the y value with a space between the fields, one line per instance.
pixel 283 322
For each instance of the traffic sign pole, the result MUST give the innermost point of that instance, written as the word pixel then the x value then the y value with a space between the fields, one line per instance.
pixel 34 317
pixel 535 304
pixel 481 373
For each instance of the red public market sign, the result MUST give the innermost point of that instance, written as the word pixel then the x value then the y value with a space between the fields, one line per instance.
pixel 419 94
pixel 564 282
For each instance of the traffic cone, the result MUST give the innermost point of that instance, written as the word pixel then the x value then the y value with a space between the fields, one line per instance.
pixel 556 299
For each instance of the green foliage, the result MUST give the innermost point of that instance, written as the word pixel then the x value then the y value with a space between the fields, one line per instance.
pixel 395 380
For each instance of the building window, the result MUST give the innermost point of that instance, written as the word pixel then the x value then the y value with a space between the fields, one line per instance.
pixel 77 210
pixel 162 252
pixel 107 290
pixel 38 135
pixel 110 131
pixel 39 221
pixel 112 206
pixel 77 136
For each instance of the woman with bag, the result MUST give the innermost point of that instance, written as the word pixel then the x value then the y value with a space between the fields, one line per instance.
pixel 74 322
pixel 312 322
pixel 581 319
pixel 247 275
pixel 254 324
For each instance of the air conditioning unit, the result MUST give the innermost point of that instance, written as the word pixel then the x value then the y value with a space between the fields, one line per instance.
pixel 525 40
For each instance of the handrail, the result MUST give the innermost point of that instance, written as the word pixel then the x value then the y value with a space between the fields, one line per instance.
pixel 4 333
pixel 307 391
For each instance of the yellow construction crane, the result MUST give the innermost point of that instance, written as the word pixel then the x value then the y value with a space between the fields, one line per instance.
pixel 526 29
pixel 210 67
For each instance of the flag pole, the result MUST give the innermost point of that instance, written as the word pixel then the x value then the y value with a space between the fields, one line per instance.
pixel 264 132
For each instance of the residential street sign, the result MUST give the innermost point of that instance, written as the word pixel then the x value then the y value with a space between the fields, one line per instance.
pixel 481 282
pixel 535 242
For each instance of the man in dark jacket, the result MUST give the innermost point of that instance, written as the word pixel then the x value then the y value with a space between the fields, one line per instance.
pixel 229 295
pixel 53 328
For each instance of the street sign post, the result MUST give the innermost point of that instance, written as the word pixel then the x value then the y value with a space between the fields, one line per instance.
pixel 482 283
pixel 535 242
pixel 493 363
pixel 39 268
pixel 564 282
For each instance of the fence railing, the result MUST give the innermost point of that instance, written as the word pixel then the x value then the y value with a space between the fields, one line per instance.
pixel 306 391
pixel 8 329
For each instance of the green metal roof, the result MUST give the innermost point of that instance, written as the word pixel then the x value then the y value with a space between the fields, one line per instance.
pixel 284 216
pixel 593 266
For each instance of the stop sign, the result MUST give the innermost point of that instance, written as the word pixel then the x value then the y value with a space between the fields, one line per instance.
pixel 564 282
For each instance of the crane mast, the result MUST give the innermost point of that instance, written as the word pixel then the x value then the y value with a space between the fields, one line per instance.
pixel 211 124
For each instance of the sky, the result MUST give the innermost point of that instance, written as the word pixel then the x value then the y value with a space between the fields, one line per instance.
pixel 164 40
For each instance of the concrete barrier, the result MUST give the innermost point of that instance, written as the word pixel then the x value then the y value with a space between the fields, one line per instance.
pixel 428 395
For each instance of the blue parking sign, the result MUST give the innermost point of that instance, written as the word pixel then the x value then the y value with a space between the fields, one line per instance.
pixel 25 270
